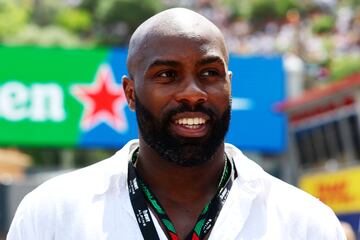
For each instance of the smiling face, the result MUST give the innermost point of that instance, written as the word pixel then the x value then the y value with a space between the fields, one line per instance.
pixel 181 93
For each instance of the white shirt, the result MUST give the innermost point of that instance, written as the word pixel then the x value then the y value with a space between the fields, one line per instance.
pixel 93 203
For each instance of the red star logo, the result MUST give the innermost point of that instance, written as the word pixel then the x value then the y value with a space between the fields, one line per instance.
pixel 103 101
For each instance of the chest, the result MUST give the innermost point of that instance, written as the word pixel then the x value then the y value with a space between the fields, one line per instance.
pixel 243 217
pixel 123 225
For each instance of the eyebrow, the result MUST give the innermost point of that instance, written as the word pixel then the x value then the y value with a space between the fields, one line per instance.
pixel 172 63
pixel 209 60
pixel 160 62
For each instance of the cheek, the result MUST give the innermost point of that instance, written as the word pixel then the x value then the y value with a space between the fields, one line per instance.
pixel 154 98
pixel 220 94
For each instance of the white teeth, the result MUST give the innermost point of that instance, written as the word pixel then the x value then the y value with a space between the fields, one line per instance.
pixel 190 121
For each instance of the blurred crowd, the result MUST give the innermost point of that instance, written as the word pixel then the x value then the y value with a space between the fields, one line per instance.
pixel 326 37
pixel 294 33
pixel 323 34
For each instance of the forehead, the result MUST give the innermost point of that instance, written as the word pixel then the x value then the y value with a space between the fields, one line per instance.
pixel 181 48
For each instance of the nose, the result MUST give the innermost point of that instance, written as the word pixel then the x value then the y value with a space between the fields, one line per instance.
pixel 191 93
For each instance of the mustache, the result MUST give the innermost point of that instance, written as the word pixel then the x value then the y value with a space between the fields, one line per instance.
pixel 185 107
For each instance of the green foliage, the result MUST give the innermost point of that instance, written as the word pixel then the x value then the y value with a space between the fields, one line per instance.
pixel 262 11
pixel 107 22
pixel 132 12
pixel 283 6
pixel 74 20
pixel 323 24
pixel 352 3
pixel 46 11
pixel 12 18
pixel 127 14
pixel 89 5
pixel 237 9
pixel 311 7
pixel 343 67
pixel 45 36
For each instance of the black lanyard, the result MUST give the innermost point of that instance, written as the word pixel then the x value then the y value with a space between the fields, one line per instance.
pixel 139 192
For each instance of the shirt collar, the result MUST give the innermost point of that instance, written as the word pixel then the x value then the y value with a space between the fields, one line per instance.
pixel 246 187
pixel 113 171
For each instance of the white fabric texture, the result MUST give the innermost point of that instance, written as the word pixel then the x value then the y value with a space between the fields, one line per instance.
pixel 93 204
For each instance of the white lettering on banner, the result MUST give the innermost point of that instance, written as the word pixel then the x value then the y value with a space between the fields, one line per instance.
pixel 13 101
pixel 47 102
pixel 39 102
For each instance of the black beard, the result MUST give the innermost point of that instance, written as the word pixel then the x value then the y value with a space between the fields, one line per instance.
pixel 181 150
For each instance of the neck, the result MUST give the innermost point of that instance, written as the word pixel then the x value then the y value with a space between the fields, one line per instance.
pixel 177 183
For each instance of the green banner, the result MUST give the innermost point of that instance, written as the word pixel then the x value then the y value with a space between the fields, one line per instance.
pixel 36 103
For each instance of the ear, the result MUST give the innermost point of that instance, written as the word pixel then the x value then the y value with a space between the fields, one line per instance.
pixel 230 75
pixel 129 90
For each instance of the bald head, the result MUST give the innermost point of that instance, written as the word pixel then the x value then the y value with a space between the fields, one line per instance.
pixel 175 22
pixel 178 67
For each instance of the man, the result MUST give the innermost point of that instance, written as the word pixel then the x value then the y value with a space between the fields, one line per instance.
pixel 179 180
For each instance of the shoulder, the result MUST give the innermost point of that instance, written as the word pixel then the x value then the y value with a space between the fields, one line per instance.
pixel 295 209
pixel 67 195
pixel 90 180
pixel 301 211
pixel 269 187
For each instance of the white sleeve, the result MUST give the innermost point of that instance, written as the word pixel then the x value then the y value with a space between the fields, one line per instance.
pixel 335 230
pixel 34 218
pixel 22 226
pixel 326 227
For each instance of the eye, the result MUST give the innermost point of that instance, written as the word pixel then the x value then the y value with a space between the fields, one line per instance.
pixel 210 73
pixel 167 74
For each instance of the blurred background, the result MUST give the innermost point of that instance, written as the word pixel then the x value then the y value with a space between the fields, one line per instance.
pixel 296 90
